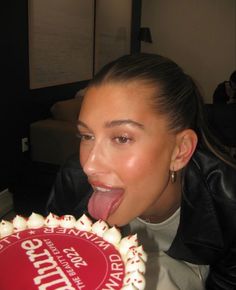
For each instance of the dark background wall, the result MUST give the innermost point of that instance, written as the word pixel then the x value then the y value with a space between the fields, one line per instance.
pixel 18 104
pixel 14 84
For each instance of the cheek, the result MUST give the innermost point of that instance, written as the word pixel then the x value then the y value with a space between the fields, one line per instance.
pixel 134 166
pixel 144 177
pixel 131 162
pixel 144 169
pixel 83 154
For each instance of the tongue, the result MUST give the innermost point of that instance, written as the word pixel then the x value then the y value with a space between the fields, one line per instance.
pixel 102 204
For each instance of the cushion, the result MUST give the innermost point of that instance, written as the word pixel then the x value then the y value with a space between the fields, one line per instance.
pixel 53 141
pixel 66 110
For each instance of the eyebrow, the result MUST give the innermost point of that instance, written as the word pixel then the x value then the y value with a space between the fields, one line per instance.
pixel 115 123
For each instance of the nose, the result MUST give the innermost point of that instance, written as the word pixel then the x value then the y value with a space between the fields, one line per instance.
pixel 94 160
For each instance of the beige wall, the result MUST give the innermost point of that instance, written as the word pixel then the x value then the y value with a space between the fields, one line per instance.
pixel 112 30
pixel 60 51
pixel 200 35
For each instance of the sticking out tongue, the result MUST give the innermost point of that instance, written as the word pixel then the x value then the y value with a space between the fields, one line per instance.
pixel 102 204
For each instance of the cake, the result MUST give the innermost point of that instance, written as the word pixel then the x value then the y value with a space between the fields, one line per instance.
pixel 64 253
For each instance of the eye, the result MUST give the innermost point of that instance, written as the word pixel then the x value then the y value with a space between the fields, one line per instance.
pixel 122 139
pixel 85 137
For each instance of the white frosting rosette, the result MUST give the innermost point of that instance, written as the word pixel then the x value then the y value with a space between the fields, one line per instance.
pixel 52 220
pixel 135 264
pixel 136 251
pixel 99 228
pixel 19 223
pixel 129 287
pixel 136 279
pixel 127 243
pixel 35 221
pixel 112 236
pixel 6 228
pixel 67 221
pixel 84 224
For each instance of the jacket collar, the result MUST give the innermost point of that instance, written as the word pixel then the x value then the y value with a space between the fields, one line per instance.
pixel 199 236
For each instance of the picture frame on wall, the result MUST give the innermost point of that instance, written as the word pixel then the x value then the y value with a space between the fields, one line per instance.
pixel 61 37
pixel 70 40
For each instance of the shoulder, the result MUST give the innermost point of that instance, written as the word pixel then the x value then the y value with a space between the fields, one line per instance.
pixel 221 86
pixel 218 177
pixel 72 163
pixel 71 177
pixel 71 190
pixel 72 167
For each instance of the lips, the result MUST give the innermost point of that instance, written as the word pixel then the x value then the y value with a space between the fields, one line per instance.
pixel 104 201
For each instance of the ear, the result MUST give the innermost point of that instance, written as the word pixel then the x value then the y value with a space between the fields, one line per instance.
pixel 186 142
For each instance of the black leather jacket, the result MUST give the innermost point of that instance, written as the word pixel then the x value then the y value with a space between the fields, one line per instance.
pixel 207 229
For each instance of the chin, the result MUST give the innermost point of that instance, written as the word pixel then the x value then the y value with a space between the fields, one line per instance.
pixel 116 220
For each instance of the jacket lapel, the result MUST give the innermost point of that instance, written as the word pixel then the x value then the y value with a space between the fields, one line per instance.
pixel 199 237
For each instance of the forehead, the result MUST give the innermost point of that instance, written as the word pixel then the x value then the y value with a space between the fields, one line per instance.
pixel 112 103
pixel 118 98
pixel 115 104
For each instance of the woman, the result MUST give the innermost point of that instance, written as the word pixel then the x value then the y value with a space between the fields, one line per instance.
pixel 152 164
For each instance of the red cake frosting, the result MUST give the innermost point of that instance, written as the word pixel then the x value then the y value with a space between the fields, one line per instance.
pixel 62 253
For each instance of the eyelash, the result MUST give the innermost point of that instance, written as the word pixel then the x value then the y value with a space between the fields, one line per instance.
pixel 118 139
pixel 122 139
pixel 84 137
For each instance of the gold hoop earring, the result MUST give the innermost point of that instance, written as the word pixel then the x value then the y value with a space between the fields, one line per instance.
pixel 173 176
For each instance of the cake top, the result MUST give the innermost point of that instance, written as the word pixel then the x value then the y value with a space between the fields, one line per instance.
pixel 132 254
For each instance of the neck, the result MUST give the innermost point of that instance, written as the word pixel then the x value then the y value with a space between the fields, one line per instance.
pixel 158 219
pixel 166 205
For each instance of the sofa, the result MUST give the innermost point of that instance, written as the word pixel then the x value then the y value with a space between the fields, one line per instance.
pixel 222 122
pixel 53 140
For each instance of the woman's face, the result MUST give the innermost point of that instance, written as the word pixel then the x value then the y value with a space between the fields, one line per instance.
pixel 125 151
